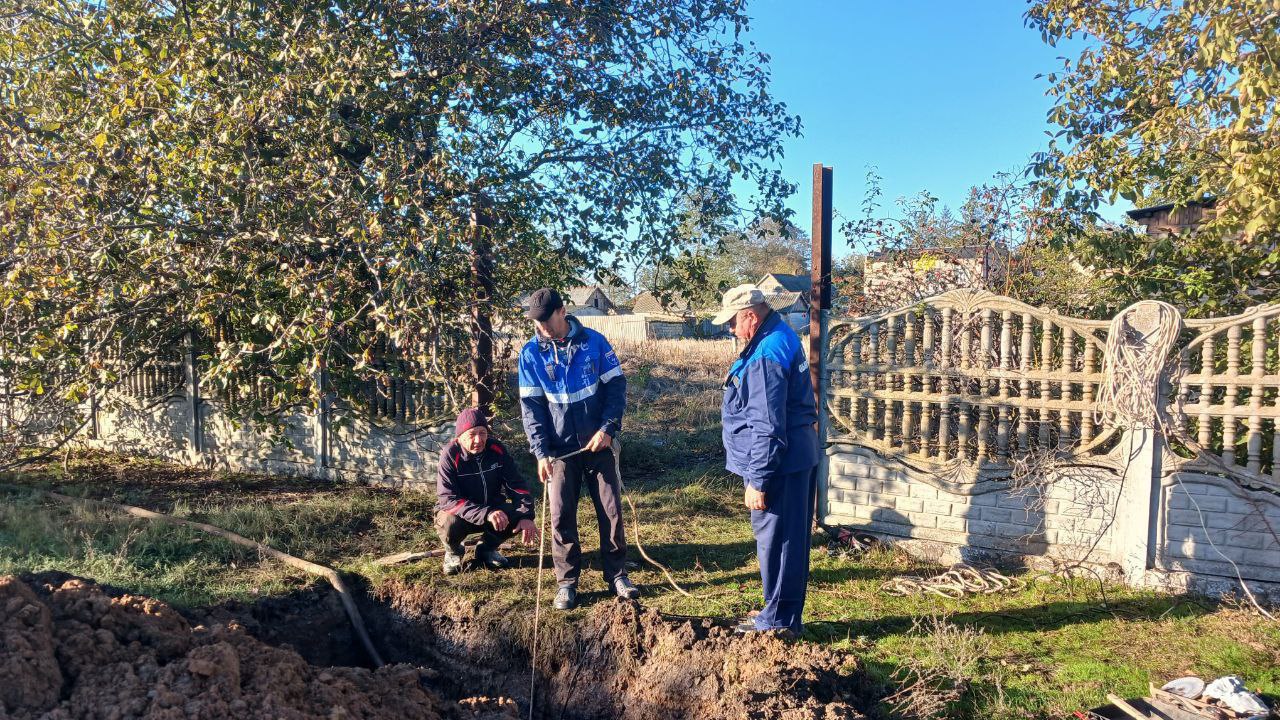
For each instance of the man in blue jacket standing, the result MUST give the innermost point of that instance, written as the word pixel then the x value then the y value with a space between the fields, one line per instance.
pixel 572 396
pixel 770 440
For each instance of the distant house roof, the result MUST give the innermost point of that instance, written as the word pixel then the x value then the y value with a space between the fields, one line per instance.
pixel 589 296
pixel 786 302
pixel 1163 208
pixel 581 294
pixel 647 302
pixel 792 283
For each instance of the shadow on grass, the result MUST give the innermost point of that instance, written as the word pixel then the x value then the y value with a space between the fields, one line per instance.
pixel 1039 618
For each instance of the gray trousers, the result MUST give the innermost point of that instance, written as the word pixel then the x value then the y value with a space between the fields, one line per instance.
pixel 600 474
pixel 453 530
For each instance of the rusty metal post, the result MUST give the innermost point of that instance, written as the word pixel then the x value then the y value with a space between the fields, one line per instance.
pixel 483 386
pixel 819 306
pixel 820 293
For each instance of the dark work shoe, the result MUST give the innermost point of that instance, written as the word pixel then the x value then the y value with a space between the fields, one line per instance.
pixel 493 559
pixel 452 563
pixel 625 590
pixel 566 598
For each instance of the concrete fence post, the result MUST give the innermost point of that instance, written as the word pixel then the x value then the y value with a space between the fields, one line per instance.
pixel 191 375
pixel 1138 504
pixel 320 420
pixel 1142 335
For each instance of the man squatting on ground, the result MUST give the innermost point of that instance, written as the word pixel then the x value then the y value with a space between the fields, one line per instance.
pixel 572 396
pixel 479 490
pixel 770 440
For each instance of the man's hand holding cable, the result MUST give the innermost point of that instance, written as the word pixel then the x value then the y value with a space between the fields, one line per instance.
pixel 600 441
pixel 546 467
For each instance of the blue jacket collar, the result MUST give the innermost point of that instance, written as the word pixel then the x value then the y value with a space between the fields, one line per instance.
pixel 575 330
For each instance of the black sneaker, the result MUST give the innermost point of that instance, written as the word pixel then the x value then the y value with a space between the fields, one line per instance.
pixel 625 590
pixel 493 559
pixel 452 563
pixel 566 598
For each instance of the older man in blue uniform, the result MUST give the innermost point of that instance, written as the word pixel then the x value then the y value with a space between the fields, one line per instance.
pixel 771 441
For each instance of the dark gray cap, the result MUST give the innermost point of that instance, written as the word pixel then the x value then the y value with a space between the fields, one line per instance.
pixel 542 303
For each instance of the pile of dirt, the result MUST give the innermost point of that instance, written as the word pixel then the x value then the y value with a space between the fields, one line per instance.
pixel 70 649
pixel 622 661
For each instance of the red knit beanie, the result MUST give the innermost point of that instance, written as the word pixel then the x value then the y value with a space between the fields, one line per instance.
pixel 467 419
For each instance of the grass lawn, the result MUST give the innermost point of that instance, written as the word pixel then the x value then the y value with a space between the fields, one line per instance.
pixel 1043 651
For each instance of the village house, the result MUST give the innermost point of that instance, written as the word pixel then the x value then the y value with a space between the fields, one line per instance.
pixel 788 295
pixel 647 303
pixel 1168 218
pixel 898 277
pixel 586 300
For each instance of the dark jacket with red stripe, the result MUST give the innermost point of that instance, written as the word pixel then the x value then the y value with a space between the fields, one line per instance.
pixel 472 486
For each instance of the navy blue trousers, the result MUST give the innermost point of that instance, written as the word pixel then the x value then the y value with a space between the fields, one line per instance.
pixel 782 545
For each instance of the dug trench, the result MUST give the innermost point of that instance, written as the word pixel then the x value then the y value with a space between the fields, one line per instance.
pixel 77 649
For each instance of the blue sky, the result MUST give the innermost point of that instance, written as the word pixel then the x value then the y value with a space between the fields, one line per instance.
pixel 937 95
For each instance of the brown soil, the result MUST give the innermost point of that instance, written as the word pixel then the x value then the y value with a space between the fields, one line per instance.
pixel 72 649
pixel 623 661
pixel 69 649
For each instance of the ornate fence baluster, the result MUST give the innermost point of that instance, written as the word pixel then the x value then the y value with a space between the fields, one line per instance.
pixel 891 410
pixel 1046 367
pixel 984 412
pixel 1068 368
pixel 1257 370
pixel 1205 421
pixel 908 366
pixel 875 408
pixel 859 408
pixel 1024 386
pixel 1002 424
pixel 928 410
pixel 944 430
pixel 1087 393
pixel 1233 395
pixel 948 339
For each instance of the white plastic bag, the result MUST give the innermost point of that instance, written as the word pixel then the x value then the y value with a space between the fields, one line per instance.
pixel 1230 691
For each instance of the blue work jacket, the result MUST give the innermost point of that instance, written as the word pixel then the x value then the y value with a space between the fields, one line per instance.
pixel 768 412
pixel 569 389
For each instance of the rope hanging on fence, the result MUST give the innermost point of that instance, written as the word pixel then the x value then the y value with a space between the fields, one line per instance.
pixel 955 583
pixel 1137 344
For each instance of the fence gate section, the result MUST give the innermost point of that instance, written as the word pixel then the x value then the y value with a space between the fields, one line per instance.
pixel 975 426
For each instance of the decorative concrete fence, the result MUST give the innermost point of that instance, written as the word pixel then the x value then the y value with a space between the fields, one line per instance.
pixel 390 434
pixel 970 425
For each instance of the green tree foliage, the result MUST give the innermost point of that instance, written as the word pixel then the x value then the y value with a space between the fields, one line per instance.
pixel 922 248
pixel 296 181
pixel 1169 102
pixel 714 264
pixel 846 284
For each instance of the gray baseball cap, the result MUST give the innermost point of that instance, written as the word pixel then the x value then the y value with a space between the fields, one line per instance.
pixel 735 299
